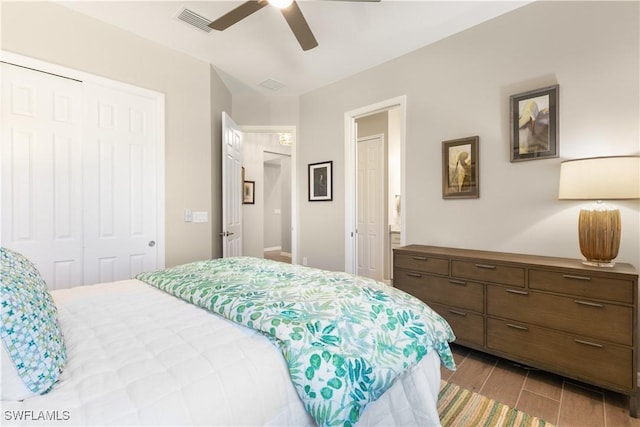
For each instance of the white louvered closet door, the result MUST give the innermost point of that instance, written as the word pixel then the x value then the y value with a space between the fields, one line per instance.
pixel 42 172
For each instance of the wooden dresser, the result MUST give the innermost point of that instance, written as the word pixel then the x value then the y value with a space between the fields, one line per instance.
pixel 554 314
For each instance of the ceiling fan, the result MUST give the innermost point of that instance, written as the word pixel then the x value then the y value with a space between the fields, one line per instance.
pixel 290 10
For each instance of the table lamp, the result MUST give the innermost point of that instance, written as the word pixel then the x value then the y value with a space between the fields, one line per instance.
pixel 600 178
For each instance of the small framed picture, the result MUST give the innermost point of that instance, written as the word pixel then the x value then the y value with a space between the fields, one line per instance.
pixel 321 181
pixel 460 168
pixel 534 124
pixel 248 192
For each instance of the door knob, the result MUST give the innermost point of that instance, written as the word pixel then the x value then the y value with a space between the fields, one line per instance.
pixel 152 243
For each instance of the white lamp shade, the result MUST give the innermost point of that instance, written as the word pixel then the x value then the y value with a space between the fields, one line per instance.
pixel 600 178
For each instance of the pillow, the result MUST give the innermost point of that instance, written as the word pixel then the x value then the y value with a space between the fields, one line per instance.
pixel 31 338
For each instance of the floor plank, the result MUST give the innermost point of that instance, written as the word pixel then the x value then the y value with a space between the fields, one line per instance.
pixel 505 383
pixel 581 407
pixel 555 399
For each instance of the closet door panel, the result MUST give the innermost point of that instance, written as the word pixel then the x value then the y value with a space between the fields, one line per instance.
pixel 120 165
pixel 41 172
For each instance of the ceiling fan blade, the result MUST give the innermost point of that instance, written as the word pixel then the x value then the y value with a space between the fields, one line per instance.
pixel 299 26
pixel 237 14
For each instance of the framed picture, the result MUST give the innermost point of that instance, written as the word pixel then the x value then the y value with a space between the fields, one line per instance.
pixel 248 192
pixel 460 169
pixel 321 181
pixel 534 124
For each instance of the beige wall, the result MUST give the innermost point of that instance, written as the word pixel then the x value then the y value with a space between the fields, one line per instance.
pixel 457 87
pixel 258 110
pixel 460 87
pixel 52 33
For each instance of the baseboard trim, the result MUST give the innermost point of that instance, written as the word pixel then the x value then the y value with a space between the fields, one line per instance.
pixel 274 248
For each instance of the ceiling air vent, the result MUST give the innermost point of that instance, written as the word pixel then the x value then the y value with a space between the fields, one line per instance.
pixel 272 84
pixel 195 20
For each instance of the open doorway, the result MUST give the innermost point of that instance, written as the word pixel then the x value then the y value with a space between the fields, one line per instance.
pixel 277 206
pixel 374 147
pixel 269 218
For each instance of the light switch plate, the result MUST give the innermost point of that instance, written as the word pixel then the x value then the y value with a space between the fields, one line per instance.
pixel 202 216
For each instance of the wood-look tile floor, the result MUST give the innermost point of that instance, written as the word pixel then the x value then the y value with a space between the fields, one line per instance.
pixel 277 256
pixel 555 399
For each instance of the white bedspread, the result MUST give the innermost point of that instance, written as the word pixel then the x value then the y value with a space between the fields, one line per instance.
pixel 138 356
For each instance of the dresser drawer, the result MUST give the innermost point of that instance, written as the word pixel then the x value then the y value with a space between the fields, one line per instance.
pixel 489 272
pixel 571 355
pixel 604 321
pixel 582 284
pixel 457 293
pixel 467 326
pixel 423 263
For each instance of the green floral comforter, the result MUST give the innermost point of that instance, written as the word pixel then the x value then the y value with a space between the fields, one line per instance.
pixel 345 338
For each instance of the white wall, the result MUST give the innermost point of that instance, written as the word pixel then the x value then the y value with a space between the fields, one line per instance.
pixel 286 235
pixel 460 87
pixel 49 32
pixel 257 110
pixel 272 205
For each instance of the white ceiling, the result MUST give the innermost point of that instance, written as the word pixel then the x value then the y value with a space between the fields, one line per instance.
pixel 352 36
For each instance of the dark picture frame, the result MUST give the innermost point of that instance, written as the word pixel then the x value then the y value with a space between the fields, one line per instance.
pixel 534 124
pixel 249 192
pixel 460 167
pixel 321 181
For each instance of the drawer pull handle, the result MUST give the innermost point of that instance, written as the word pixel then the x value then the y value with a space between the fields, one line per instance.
pixel 590 304
pixel 420 258
pixel 487 266
pixel 458 282
pixel 459 313
pixel 590 344
pixel 522 328
pixel 419 276
pixel 513 291
pixel 571 276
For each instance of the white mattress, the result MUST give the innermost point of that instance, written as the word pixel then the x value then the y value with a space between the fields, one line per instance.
pixel 138 356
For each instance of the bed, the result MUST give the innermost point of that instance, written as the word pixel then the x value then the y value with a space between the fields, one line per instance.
pixel 172 348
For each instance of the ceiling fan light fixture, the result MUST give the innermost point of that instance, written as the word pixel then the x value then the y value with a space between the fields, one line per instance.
pixel 280 4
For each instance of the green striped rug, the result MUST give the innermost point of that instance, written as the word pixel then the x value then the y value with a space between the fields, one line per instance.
pixel 461 407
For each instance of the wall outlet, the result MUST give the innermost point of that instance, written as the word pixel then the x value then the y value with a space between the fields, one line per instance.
pixel 304 260
pixel 188 215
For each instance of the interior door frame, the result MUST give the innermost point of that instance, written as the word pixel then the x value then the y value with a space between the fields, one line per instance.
pixel 159 99
pixel 294 186
pixel 350 173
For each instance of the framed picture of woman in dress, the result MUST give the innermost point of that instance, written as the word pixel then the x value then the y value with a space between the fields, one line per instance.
pixel 460 168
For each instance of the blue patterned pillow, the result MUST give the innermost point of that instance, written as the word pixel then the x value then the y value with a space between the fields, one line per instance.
pixel 29 331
